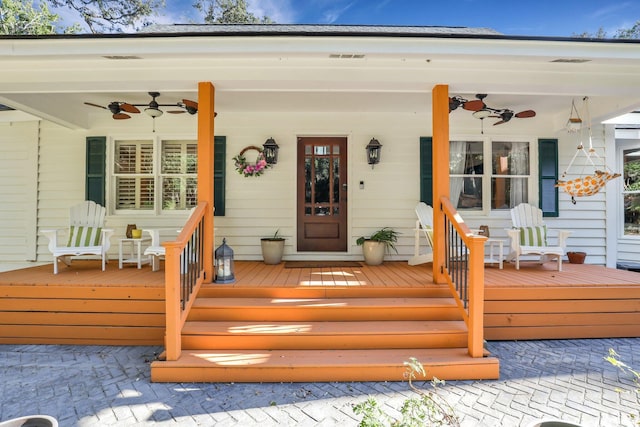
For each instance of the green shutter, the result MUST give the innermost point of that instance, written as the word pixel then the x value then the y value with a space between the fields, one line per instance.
pixel 219 164
pixel 548 173
pixel 95 165
pixel 426 170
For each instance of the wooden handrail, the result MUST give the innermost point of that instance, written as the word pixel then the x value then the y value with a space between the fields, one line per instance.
pixel 184 274
pixel 471 303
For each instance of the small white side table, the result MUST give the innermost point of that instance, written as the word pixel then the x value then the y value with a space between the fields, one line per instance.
pixel 134 255
pixel 495 254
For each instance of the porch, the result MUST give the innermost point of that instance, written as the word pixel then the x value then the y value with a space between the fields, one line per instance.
pixel 394 308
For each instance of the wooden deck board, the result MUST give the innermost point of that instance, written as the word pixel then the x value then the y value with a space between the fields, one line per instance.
pixel 392 274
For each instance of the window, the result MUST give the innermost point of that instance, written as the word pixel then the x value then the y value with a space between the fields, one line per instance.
pixel 154 175
pixel 494 174
pixel 631 191
pixel 179 169
pixel 489 174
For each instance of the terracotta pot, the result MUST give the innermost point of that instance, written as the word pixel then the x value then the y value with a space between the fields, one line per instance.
pixel 576 257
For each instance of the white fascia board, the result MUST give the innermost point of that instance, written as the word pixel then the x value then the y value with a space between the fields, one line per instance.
pixel 180 46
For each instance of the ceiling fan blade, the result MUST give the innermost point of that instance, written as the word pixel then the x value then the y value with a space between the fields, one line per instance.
pixel 475 105
pixel 176 112
pixel 129 108
pixel 189 103
pixel 190 106
pixel 526 114
pixel 96 105
pixel 121 116
pixel 500 122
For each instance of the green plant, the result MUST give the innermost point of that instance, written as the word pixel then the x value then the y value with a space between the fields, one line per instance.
pixel 386 235
pixel 614 359
pixel 428 409
pixel 275 236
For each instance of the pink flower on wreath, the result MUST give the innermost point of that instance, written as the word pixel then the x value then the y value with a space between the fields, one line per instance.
pixel 248 169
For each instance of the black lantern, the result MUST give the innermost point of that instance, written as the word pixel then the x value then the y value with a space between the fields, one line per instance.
pixel 270 151
pixel 373 152
pixel 224 263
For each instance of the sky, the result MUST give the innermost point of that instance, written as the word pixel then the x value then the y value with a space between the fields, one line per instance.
pixel 557 18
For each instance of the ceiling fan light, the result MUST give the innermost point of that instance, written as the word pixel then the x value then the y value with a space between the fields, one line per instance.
pixel 481 114
pixel 153 112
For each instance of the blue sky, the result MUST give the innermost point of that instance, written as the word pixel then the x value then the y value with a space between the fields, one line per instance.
pixel 557 18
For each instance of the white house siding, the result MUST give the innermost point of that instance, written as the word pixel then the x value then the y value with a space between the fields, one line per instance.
pixel 61 179
pixel 258 206
pixel 18 191
pixel 587 217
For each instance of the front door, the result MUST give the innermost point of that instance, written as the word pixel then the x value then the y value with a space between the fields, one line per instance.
pixel 322 194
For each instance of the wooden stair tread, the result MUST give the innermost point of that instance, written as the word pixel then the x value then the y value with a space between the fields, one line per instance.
pixel 321 302
pixel 320 365
pixel 324 328
pixel 220 291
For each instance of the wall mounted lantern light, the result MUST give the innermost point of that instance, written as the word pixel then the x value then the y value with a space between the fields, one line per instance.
pixel 373 152
pixel 270 151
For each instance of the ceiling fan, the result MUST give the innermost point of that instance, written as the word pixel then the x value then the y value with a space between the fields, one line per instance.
pixel 121 110
pixel 482 111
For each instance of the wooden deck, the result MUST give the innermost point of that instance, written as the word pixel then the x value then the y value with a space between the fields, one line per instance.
pixel 82 304
pixel 315 324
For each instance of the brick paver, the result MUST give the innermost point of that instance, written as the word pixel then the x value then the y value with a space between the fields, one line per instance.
pixel 109 386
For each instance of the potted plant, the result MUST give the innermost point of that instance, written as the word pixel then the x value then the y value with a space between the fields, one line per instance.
pixel 272 249
pixel 375 246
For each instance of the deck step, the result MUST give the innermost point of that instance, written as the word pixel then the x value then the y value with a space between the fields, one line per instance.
pixel 320 365
pixel 324 335
pixel 323 309
pixel 230 291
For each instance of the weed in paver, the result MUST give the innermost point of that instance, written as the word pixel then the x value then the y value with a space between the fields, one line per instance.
pixel 428 409
pixel 614 359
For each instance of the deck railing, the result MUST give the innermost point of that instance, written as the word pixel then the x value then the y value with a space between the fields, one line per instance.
pixel 464 271
pixel 184 274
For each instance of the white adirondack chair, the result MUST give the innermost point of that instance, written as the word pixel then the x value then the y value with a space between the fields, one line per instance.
pixel 424 227
pixel 529 236
pixel 156 251
pixel 86 235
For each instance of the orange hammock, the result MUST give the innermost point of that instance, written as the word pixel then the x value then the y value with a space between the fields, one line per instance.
pixel 586 186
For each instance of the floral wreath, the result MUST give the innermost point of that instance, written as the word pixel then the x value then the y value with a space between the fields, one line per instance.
pixel 251 169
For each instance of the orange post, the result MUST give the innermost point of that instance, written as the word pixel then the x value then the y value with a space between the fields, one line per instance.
pixel 206 115
pixel 173 313
pixel 440 119
pixel 476 297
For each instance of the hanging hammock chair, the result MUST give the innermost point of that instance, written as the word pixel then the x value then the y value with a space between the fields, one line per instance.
pixel 590 184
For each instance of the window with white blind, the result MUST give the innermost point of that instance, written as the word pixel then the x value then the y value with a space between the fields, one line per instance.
pixel 179 168
pixel 154 175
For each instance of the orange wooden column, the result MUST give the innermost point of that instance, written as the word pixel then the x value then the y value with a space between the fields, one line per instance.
pixel 440 120
pixel 475 343
pixel 206 116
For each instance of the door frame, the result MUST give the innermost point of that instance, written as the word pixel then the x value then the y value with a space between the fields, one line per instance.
pixel 348 209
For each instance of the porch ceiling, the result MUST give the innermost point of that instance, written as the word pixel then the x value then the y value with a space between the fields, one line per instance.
pixel 52 78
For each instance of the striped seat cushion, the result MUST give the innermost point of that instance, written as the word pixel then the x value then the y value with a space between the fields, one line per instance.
pixel 81 236
pixel 533 236
pixel 429 232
